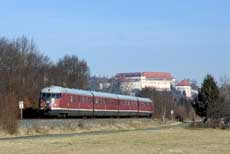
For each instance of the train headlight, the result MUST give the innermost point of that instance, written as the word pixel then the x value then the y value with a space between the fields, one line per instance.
pixel 52 100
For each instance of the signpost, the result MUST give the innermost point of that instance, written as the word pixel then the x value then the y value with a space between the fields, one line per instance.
pixel 172 112
pixel 21 107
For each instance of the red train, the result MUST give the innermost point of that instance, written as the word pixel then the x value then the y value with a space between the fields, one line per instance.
pixel 59 101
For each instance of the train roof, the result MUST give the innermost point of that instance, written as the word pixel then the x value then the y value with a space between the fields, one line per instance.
pixel 102 94
pixel 116 96
pixel 56 89
pixel 126 97
pixel 144 99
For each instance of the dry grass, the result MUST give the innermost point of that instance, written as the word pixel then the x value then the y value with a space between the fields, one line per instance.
pixel 170 141
pixel 76 126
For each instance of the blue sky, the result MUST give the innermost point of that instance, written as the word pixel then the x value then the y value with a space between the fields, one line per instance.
pixel 187 38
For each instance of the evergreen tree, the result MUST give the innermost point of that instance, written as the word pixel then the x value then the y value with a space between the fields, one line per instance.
pixel 206 103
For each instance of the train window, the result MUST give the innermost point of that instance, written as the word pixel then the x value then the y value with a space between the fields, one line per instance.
pixel 124 103
pixel 86 99
pixel 82 99
pixel 108 102
pixel 90 100
pixel 53 95
pixel 96 101
pixel 58 95
pixel 43 95
pixel 71 99
pixel 102 101
pixel 142 104
pixel 48 95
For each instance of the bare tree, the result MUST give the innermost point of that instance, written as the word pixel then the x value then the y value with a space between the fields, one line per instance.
pixel 163 102
pixel 75 72
pixel 225 95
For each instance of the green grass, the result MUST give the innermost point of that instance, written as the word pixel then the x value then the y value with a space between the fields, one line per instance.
pixel 174 140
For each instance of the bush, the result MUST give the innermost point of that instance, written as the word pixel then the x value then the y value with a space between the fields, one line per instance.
pixel 211 123
pixel 180 113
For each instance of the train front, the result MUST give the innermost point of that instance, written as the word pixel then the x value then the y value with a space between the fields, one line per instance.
pixel 50 98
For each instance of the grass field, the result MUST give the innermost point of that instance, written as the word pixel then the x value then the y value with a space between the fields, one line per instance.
pixel 172 141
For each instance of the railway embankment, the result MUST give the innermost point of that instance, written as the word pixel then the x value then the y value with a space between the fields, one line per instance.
pixel 30 127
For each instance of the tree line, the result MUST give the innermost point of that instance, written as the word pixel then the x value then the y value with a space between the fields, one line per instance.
pixel 25 71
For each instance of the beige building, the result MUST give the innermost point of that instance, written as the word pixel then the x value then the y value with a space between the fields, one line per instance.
pixel 184 86
pixel 161 81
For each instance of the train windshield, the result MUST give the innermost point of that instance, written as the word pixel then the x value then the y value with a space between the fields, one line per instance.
pixel 50 95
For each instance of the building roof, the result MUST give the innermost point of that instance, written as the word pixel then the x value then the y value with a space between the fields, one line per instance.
pixel 157 75
pixel 134 74
pixel 124 76
pixel 183 83
pixel 154 75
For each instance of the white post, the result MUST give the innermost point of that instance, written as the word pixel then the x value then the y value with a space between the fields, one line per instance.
pixel 21 114
pixel 21 107
pixel 172 112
